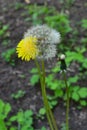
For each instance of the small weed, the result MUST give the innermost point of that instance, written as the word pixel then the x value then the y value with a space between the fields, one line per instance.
pixel 66 4
pixel 24 120
pixel 43 128
pixel 5 108
pixel 9 56
pixel 18 95
pixel 35 77
pixel 18 5
pixel 84 24
pixel 41 113
pixel 52 102
pixel 6 42
pixel 84 40
pixel 3 30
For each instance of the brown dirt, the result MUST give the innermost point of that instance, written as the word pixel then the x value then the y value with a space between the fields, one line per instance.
pixel 10 77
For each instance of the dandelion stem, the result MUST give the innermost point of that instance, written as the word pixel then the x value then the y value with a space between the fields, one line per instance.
pixel 67 101
pixel 47 104
pixel 42 89
pixel 49 114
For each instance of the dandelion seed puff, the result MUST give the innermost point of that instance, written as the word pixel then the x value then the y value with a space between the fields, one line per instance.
pixel 45 48
pixel 54 37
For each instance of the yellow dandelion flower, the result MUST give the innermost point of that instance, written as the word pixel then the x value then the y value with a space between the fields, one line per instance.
pixel 27 48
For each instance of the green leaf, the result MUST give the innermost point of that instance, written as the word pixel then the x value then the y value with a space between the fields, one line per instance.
pixel 74 56
pixel 42 111
pixel 59 92
pixel 1 109
pixel 43 128
pixel 18 94
pixel 34 70
pixel 28 113
pixel 54 85
pixel 4 109
pixel 75 88
pixel 20 117
pixel 7 109
pixel 2 125
pixel 54 102
pixel 56 69
pixel 5 27
pixel 83 103
pixel 75 96
pixel 84 40
pixel 83 92
pixel 13 128
pixel 73 79
pixel 85 63
pixel 13 118
pixel 84 23
pixel 34 79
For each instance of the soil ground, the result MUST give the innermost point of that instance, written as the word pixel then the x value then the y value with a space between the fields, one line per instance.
pixel 10 77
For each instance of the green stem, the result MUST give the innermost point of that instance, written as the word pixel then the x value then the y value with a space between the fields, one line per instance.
pixel 47 104
pixel 44 98
pixel 67 101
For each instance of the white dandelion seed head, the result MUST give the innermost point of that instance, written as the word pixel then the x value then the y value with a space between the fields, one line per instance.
pixel 54 37
pixel 40 31
pixel 50 52
pixel 47 37
pixel 62 57
pixel 44 33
